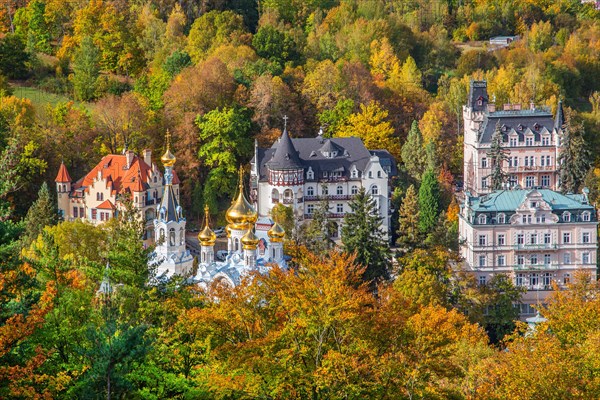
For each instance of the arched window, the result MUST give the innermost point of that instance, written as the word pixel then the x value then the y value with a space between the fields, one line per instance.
pixel 501 218
pixel 566 216
pixel 310 191
pixel 339 190
pixel 161 237
pixel 585 216
pixel 379 174
pixel 374 190
pixel 154 178
pixel 354 173
pixel 237 244
pixel 203 257
pixel 172 237
pixel 275 196
pixel 482 219
pixel 310 174
pixel 181 236
pixel 354 189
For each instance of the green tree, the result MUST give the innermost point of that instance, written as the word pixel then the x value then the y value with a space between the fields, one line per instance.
pixel 574 157
pixel 362 234
pixel 408 232
pixel 501 297
pixel 42 213
pixel 316 234
pixel 86 70
pixel 429 202
pixel 13 57
pixel 333 119
pixel 413 152
pixel 225 139
pixel 212 29
pixel 177 61
pixel 497 156
pixel 274 45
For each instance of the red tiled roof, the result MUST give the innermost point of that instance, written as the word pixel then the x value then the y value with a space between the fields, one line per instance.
pixel 119 179
pixel 106 205
pixel 175 178
pixel 63 174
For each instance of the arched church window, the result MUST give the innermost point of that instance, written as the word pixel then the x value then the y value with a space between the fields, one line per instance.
pixel 237 244
pixel 172 237
pixel 275 196
pixel 161 237
pixel 181 236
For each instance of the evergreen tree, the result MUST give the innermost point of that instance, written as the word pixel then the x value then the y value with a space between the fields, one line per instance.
pixel 497 155
pixel 361 234
pixel 86 69
pixel 316 235
pixel 42 213
pixel 502 295
pixel 574 158
pixel 429 202
pixel 409 219
pixel 413 152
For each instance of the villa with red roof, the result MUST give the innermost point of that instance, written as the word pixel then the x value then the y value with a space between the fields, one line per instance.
pixel 97 196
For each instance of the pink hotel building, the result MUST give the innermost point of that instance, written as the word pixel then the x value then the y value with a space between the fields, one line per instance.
pixel 528 231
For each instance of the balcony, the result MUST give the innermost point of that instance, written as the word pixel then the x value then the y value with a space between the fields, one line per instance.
pixel 288 201
pixel 536 267
pixel 330 215
pixel 330 197
pixel 536 246
pixel 534 168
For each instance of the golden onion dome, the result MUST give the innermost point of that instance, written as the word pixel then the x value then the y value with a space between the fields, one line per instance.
pixel 168 159
pixel 241 213
pixel 207 237
pixel 276 233
pixel 249 240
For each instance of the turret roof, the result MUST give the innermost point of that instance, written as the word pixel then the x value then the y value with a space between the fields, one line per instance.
pixel 63 175
pixel 285 155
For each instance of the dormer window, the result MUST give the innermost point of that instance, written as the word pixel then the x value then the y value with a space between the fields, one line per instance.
pixel 482 219
pixel 501 219
pixel 354 173
pixel 585 216
pixel 310 174
pixel 566 216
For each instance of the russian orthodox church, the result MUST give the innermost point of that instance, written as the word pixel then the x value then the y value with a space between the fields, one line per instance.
pixel 253 244
pixel 170 257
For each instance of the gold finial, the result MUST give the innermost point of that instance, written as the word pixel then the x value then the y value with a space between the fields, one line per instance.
pixel 241 178
pixel 207 237
pixel 168 159
pixel 241 213
pixel 249 240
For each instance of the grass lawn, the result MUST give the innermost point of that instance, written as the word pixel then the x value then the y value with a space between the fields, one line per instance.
pixel 42 99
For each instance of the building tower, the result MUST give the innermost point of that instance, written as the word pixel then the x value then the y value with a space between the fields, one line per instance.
pixel 241 217
pixel 250 243
pixel 276 235
pixel 169 226
pixel 473 115
pixel 207 239
pixel 63 188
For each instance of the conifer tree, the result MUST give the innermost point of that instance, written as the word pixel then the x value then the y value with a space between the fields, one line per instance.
pixel 42 213
pixel 409 219
pixel 413 152
pixel 316 235
pixel 497 155
pixel 574 158
pixel 361 234
pixel 86 69
pixel 429 202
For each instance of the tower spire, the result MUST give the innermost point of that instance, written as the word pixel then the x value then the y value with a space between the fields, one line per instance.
pixel 285 119
pixel 168 159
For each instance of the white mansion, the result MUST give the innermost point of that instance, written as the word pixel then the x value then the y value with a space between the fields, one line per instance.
pixel 537 236
pixel 532 137
pixel 301 172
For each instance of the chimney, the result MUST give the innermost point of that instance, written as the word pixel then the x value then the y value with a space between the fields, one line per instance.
pixel 491 107
pixel 148 157
pixel 507 107
pixel 129 156
pixel 517 107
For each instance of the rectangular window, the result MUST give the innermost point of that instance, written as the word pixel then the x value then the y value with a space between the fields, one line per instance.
pixel 547 238
pixel 533 259
pixel 567 258
pixel 585 238
pixel 75 209
pixel 519 280
pixel 585 258
pixel 520 260
pixel 547 259
pixel 481 280
pixel 101 216
pixel 94 211
pixel 529 141
pixel 548 161
pixel 533 238
pixel 515 161
pixel 484 162
pixel 566 279
pixel 325 190
pixel 81 212
pixel 484 183
pixel 535 280
pixel 501 240
pixel 545 141
pixel 520 238
pixel 482 260
pixel 501 261
pixel 545 180
pixel 529 181
pixel 513 142
pixel 340 208
pixel 482 240
pixel 566 237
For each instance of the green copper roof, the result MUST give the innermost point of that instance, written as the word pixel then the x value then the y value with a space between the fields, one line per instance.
pixel 510 200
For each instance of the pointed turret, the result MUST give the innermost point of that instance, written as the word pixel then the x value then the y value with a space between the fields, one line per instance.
pixel 285 155
pixel 63 175
pixel 559 120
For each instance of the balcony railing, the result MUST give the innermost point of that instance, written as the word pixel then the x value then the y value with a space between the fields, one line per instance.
pixel 288 201
pixel 330 197
pixel 330 215
pixel 536 246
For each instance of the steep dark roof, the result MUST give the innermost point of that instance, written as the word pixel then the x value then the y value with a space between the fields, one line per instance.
pixel 353 152
pixel 285 155
pixel 518 120
pixel 330 147
pixel 169 202
pixel 478 91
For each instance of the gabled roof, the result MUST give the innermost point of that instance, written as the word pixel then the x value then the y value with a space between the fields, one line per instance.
pixel 113 168
pixel 285 155
pixel 63 175
pixel 106 205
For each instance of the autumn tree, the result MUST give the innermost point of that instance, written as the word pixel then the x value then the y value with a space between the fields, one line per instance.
pixel 362 234
pixel 317 233
pixel 284 216
pixel 408 233
pixel 212 29
pixel 371 125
